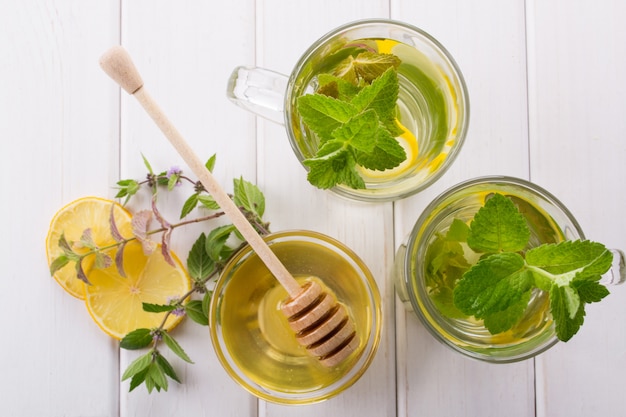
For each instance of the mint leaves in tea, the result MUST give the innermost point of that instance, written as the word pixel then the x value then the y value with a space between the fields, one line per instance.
pixel 373 111
pixel 507 274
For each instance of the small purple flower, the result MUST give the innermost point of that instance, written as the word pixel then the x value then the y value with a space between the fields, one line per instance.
pixel 174 171
pixel 179 311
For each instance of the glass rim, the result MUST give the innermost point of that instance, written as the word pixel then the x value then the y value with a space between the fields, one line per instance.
pixel 350 376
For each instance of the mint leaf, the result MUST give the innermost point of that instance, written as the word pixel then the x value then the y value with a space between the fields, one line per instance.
pixel 590 291
pixel 199 262
pixel 195 312
pixel 138 379
pixel 119 259
pixel 175 347
pixel 147 164
pixel 127 188
pixel 166 367
pixel 446 253
pixel 492 285
pixel 393 127
pixel 566 324
pixel 506 319
pixel 580 259
pixel 336 87
pixel 333 165
pixel 380 96
pixel 152 369
pixel 443 300
pixel 206 302
pixel 343 54
pixel 323 114
pixel 359 132
pixel 210 163
pixel 249 196
pixel 58 263
pixel 458 231
pixel 149 382
pixel 115 233
pixel 387 153
pixel 86 239
pixel 139 364
pixel 157 378
pixel 189 205
pixel 66 247
pixel 208 202
pixel 157 308
pixel 102 261
pixel 173 180
pixel 365 67
pixel 137 339
pixel 446 264
pixel 215 243
pixel 571 299
pixel 498 227
pixel 80 272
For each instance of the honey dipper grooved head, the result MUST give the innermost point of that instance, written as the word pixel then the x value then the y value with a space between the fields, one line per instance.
pixel 322 325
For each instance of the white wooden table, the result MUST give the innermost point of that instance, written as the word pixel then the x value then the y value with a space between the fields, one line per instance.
pixel 547 83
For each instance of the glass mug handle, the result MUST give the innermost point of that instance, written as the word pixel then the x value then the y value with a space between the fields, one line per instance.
pixel 259 91
pixel 617 274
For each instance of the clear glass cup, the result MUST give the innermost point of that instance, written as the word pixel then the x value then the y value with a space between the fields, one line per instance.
pixel 433 103
pixel 252 338
pixel 549 221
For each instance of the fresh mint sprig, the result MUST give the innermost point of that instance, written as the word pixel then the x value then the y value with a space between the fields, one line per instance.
pixel 207 257
pixel 353 113
pixel 498 287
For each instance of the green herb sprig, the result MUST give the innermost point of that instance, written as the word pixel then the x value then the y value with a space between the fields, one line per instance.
pixel 353 113
pixel 207 257
pixel 498 287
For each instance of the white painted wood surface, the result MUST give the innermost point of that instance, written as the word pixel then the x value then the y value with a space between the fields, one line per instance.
pixel 548 93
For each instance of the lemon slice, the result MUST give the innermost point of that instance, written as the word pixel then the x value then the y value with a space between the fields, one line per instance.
pixel 72 220
pixel 115 302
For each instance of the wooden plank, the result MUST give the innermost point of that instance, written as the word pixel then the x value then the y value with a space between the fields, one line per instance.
pixel 59 143
pixel 486 38
pixel 185 53
pixel 577 95
pixel 442 382
pixel 60 120
pixel 294 204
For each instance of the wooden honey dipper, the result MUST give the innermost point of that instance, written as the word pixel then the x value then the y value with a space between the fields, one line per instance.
pixel 321 324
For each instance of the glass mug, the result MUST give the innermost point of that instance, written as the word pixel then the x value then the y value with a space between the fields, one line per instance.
pixel 549 222
pixel 432 105
pixel 252 338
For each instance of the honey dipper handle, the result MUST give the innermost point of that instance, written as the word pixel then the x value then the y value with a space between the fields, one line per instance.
pixel 119 66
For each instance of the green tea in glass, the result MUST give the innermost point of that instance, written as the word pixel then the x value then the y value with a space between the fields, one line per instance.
pixel 376 110
pixel 499 270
